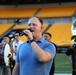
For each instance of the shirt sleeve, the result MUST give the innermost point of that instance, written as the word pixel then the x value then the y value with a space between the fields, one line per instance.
pixel 17 53
pixel 51 49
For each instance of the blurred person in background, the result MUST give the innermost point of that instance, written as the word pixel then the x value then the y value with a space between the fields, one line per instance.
pixel 72 52
pixel 4 67
pixel 48 37
pixel 16 42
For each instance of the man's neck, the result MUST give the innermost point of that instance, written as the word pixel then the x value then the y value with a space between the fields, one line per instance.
pixel 17 41
pixel 37 38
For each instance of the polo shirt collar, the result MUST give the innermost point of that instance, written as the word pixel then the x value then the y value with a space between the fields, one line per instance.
pixel 40 40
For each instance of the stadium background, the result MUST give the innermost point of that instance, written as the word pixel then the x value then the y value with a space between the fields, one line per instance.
pixel 57 16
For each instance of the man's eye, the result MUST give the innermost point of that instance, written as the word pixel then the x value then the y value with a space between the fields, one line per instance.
pixel 29 24
pixel 34 24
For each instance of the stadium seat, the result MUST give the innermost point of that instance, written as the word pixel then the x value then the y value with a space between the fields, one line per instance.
pixel 17 12
pixel 57 12
pixel 21 27
pixel 4 28
pixel 61 34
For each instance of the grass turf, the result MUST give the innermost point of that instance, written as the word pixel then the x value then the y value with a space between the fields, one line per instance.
pixel 62 64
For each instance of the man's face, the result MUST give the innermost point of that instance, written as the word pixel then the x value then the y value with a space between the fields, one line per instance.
pixel 17 37
pixel 47 37
pixel 6 39
pixel 35 25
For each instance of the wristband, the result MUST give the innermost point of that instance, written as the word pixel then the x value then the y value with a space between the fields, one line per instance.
pixel 31 40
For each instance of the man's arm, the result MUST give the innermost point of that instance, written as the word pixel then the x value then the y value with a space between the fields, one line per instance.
pixel 43 56
pixel 16 69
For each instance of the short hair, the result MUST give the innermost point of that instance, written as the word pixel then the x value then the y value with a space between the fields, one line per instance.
pixel 17 32
pixel 6 36
pixel 48 34
pixel 40 20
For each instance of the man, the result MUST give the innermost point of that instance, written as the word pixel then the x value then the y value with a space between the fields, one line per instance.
pixel 35 56
pixel 72 51
pixel 16 42
pixel 47 37
pixel 4 67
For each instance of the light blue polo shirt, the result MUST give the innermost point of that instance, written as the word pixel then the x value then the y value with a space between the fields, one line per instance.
pixel 29 64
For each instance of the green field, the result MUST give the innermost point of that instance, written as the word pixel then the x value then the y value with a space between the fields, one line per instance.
pixel 62 64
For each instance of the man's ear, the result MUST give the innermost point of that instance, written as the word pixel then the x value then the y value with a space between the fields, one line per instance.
pixel 42 28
